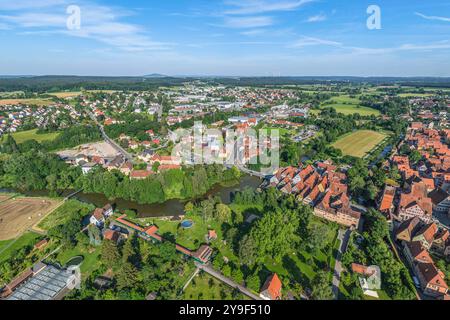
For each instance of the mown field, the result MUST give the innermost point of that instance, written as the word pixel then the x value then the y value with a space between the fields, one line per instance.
pixel 359 143
pixel 23 136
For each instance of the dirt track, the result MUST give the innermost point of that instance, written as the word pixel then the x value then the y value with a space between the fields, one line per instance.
pixel 18 215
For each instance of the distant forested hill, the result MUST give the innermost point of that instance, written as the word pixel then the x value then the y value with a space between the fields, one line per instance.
pixel 62 83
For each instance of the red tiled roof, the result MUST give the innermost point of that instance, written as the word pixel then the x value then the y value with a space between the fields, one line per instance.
pixel 388 199
pixel 111 235
pixel 273 287
pixel 360 269
pixel 431 275
pixel 140 174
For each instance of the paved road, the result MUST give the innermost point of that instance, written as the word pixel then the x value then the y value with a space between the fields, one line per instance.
pixel 197 270
pixel 128 156
pixel 208 269
pixel 344 237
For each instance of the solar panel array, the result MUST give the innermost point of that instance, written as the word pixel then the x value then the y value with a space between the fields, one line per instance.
pixel 43 286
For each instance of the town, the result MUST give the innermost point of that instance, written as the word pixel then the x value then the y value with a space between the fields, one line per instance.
pixel 96 181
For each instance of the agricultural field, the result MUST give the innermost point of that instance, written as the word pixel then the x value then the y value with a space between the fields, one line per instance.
pixel 37 102
pixel 65 95
pixel 359 143
pixel 20 214
pixel 23 136
pixel 205 287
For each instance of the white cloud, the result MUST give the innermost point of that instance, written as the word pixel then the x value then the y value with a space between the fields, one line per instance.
pixel 29 4
pixel 442 45
pixel 317 18
pixel 247 22
pixel 262 6
pixel 100 23
pixel 310 41
pixel 437 18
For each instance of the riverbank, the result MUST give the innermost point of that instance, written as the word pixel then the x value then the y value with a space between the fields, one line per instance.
pixel 167 209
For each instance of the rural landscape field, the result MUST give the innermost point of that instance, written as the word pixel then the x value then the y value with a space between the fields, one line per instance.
pixel 17 215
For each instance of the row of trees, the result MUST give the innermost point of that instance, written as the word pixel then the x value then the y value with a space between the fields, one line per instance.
pixel 186 183
pixel 38 170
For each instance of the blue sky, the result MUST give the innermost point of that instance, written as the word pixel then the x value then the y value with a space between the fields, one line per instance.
pixel 226 37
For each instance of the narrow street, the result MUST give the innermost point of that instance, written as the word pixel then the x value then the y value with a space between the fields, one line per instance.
pixel 344 237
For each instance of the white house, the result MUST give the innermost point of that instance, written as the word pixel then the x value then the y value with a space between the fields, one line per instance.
pixel 97 218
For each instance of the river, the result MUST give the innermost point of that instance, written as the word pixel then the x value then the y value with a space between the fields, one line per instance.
pixel 169 208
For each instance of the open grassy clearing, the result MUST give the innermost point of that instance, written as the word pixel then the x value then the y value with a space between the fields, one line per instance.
pixel 359 143
pixel 20 214
pixel 8 247
pixel 348 109
pixel 23 136
pixel 344 99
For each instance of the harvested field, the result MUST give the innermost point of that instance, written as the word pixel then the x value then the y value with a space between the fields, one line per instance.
pixel 38 102
pixel 20 214
pixel 64 95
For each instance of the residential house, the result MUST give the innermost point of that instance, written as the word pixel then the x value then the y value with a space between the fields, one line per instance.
pixel 441 200
pixel 108 210
pixel 271 289
pixel 97 218
pixel 140 174
pixel 407 229
pixel 126 168
pixel 86 167
pixel 431 279
pixel 386 204
pixel 112 235
pixel 415 204
pixel 369 278
pixel 426 235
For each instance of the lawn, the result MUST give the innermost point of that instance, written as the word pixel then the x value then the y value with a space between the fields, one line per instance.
pixel 359 143
pixel 303 265
pixel 8 247
pixel 91 256
pixel 205 287
pixel 23 136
